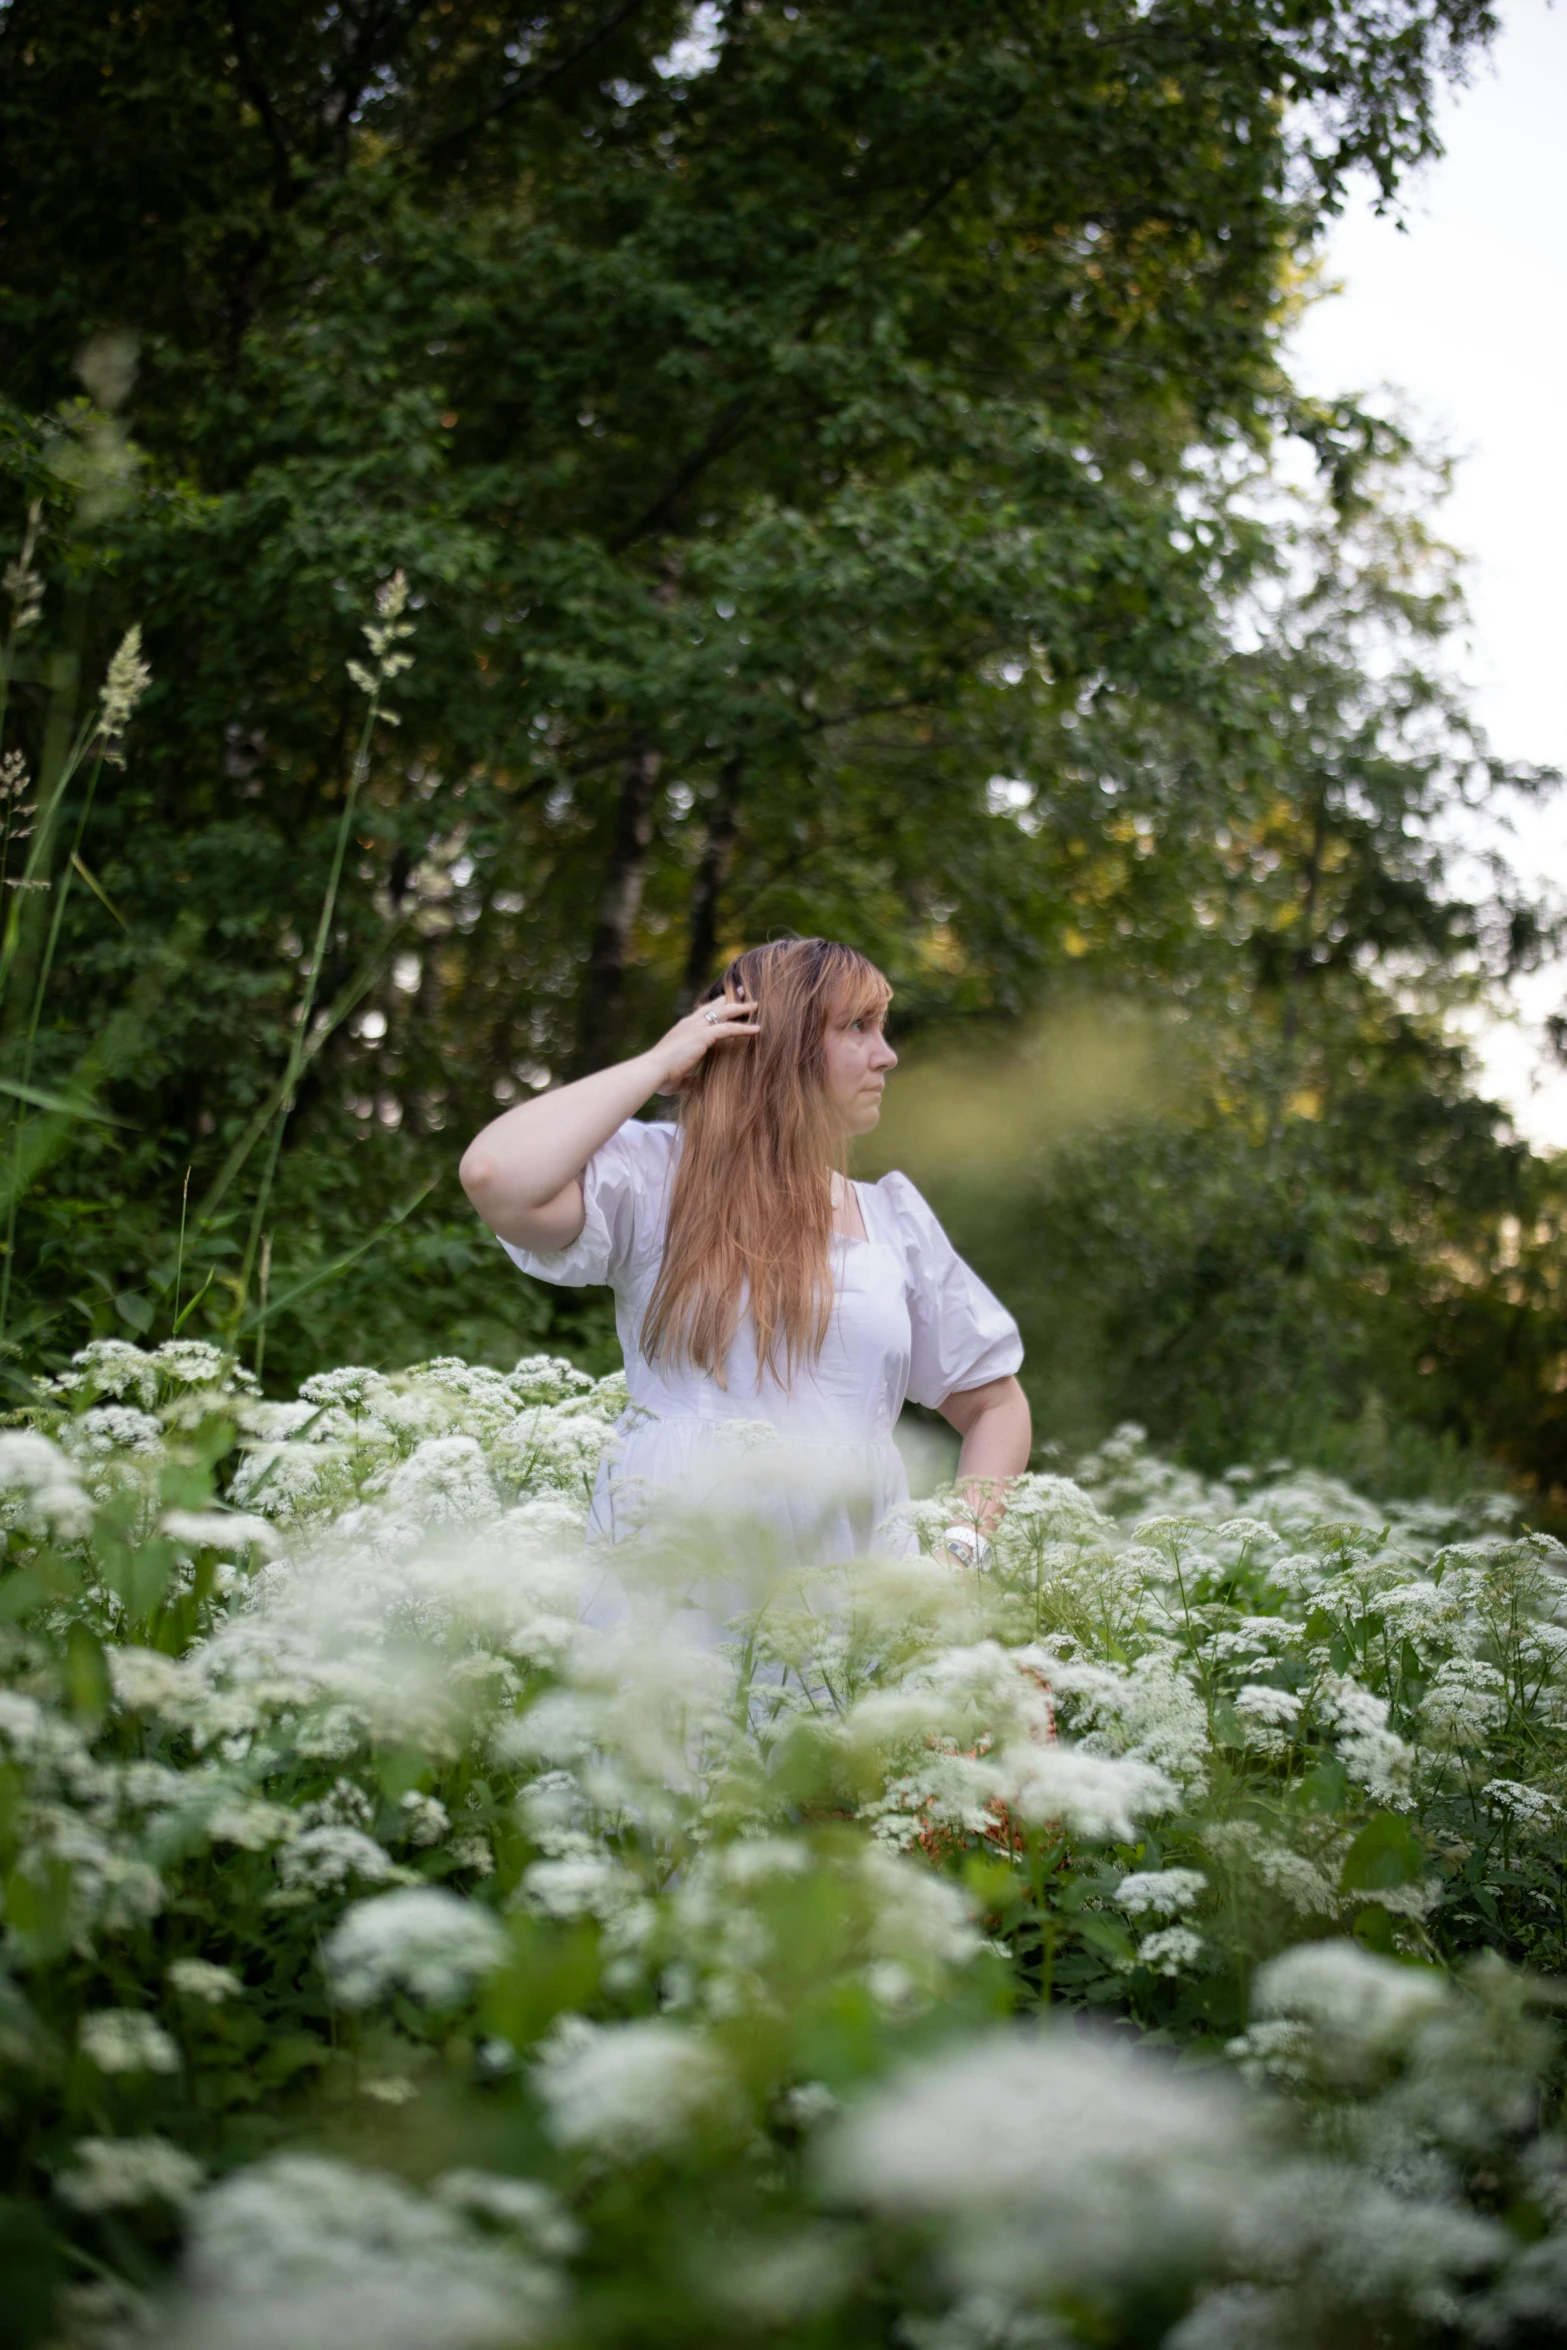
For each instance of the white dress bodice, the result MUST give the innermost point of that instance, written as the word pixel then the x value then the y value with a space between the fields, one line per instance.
pixel 910 1320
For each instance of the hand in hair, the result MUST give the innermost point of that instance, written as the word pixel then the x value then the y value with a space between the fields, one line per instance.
pixel 523 1173
pixel 691 1039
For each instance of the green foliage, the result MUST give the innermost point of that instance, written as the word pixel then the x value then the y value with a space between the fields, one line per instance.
pixel 829 470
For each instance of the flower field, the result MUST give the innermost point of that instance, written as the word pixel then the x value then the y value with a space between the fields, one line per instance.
pixel 420 1939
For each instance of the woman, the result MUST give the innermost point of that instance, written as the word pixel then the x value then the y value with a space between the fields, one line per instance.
pixel 753 1281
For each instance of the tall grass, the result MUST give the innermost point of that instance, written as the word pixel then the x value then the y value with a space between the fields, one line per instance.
pixel 30 941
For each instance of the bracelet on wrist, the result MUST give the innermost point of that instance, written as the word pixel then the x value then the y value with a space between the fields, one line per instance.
pixel 967 1545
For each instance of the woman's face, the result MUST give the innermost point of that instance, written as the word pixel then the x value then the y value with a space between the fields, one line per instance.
pixel 859 1060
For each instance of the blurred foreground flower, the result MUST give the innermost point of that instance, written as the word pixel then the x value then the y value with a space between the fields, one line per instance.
pixel 299 2252
pixel 667 1906
pixel 422 1939
pixel 1046 2163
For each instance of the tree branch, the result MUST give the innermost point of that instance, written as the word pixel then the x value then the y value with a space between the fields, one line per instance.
pixel 285 188
pixel 721 438
pixel 532 84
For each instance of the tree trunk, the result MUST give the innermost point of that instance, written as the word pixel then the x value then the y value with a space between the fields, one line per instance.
pixel 1299 969
pixel 711 875
pixel 601 1010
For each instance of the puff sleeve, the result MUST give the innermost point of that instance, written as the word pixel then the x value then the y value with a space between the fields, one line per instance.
pixel 962 1334
pixel 625 1189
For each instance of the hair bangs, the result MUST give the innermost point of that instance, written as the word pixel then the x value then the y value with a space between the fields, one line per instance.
pixel 857 991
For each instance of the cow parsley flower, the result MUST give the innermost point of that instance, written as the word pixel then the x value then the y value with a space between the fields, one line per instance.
pixel 918 1920
pixel 1159 1893
pixel 1370 1752
pixel 111 1429
pixel 1277 2049
pixel 525 2206
pixel 1100 1796
pixel 1466 1701
pixel 199 1978
pixel 302 2249
pixel 123 2040
pixel 425 1817
pixel 1169 1950
pixel 420 1939
pixel 230 1531
pixel 1151 1712
pixel 116 2174
pixel 1269 1716
pixel 110 1366
pixel 250 1823
pixel 1356 2004
pixel 146 1681
pixel 443 1479
pixel 322 1860
pixel 1528 1808
pixel 49 1495
pixel 1048 2161
pixel 579 1885
pixel 629 2090
pixel 1293 1875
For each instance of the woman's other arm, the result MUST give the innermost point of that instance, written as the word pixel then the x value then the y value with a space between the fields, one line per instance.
pixel 998 1435
pixel 523 1173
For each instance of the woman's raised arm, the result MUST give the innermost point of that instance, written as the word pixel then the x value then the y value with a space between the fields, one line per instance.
pixel 523 1173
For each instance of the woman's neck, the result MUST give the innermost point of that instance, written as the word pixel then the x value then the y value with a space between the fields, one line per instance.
pixel 846 1215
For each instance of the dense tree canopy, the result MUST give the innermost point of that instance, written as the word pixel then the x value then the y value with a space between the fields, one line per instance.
pixel 828 450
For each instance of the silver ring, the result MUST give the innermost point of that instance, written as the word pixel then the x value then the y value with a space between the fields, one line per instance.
pixel 711 1018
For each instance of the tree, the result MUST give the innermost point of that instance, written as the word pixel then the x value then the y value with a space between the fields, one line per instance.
pixel 1283 1223
pixel 791 419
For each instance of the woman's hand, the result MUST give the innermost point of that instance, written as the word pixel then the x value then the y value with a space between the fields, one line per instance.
pixel 693 1038
pixel 998 1437
pixel 524 1172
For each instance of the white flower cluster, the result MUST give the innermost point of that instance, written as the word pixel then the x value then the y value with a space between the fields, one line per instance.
pixel 304 2249
pixel 123 2040
pixel 422 1938
pixel 116 2174
pixel 414 1749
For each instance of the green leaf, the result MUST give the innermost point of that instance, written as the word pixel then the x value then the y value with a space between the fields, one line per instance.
pixel 86 1673
pixel 138 1572
pixel 553 1970
pixel 1104 1935
pixel 1373 1930
pixel 1386 1852
pixel 34 2270
pixel 1325 1787
pixel 37 1907
pixel 39 1098
pixel 185 1485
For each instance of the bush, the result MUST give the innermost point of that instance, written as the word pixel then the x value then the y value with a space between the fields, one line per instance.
pixel 418 1934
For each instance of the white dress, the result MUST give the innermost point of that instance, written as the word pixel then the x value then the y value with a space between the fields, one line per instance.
pixel 910 1319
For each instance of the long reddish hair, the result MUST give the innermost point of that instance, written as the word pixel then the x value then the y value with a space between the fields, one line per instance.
pixel 751 1216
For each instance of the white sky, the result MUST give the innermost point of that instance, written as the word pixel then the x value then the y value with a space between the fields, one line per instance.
pixel 1464 313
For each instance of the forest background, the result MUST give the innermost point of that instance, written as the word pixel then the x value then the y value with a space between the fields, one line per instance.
pixel 846 482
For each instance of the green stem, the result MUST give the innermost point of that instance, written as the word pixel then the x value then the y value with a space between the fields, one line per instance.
pixel 8 657
pixel 40 989
pixel 65 746
pixel 276 1306
pixel 297 1042
pixel 344 1002
pixel 266 1283
pixel 179 1255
